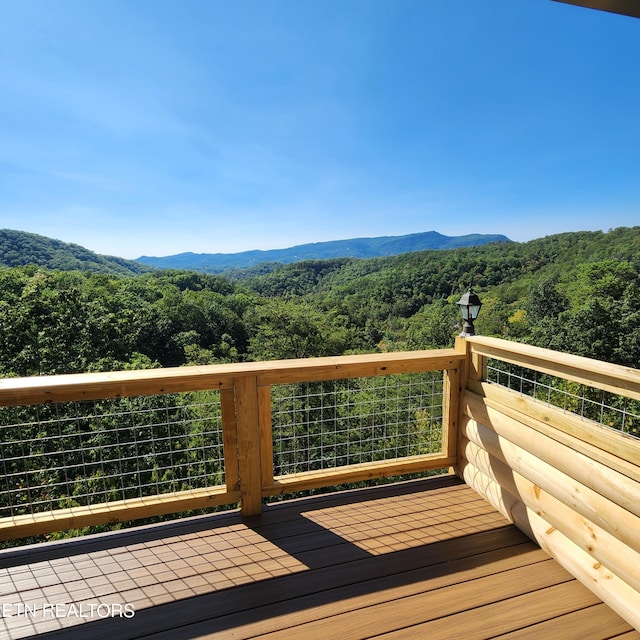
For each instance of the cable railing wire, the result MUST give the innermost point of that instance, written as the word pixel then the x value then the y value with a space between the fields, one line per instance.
pixel 82 453
pixel 602 407
pixel 322 425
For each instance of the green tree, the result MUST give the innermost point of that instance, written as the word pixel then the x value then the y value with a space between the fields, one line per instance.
pixel 433 327
pixel 294 329
pixel 545 301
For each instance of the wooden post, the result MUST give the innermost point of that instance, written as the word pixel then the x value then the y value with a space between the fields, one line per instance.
pixel 450 411
pixel 461 346
pixel 266 437
pixel 229 439
pixel 246 396
pixel 477 366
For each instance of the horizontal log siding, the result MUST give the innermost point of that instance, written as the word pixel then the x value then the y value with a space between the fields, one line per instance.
pixel 572 486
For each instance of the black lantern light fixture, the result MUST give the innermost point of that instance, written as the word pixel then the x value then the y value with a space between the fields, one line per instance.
pixel 469 305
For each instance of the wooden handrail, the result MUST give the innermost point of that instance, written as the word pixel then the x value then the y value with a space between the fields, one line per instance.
pixel 114 384
pixel 614 378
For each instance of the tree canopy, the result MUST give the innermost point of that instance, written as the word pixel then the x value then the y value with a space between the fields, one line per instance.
pixel 578 292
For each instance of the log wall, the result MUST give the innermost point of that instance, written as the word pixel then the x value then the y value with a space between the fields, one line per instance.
pixel 569 484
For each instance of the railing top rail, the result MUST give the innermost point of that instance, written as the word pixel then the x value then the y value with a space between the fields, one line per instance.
pixel 99 385
pixel 594 373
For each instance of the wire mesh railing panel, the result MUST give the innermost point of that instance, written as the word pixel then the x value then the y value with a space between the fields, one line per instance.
pixel 607 409
pixel 322 425
pixel 59 455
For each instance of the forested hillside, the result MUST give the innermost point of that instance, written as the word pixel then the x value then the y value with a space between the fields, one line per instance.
pixel 576 291
pixel 19 248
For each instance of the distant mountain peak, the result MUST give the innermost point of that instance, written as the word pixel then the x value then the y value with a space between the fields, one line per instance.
pixel 375 247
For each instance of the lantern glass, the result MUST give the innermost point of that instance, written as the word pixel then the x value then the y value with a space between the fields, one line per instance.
pixel 470 311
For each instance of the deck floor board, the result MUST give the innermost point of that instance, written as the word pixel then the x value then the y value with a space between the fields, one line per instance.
pixel 427 558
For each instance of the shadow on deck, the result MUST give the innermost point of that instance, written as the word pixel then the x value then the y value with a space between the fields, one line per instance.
pixel 427 558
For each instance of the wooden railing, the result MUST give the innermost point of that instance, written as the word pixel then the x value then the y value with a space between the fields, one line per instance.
pixel 245 406
pixel 572 483
pixel 569 482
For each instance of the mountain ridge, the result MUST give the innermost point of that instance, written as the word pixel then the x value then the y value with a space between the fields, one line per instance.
pixel 22 248
pixel 366 247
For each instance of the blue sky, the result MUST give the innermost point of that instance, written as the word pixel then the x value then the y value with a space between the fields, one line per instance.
pixel 153 127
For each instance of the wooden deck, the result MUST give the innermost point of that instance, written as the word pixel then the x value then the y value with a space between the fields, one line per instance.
pixel 425 559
